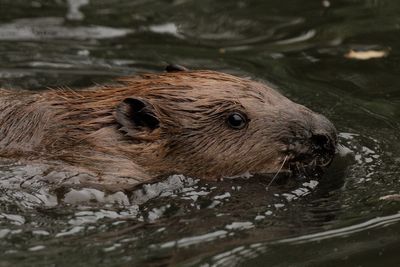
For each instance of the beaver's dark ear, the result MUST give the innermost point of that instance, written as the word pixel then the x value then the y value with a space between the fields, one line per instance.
pixel 175 68
pixel 136 114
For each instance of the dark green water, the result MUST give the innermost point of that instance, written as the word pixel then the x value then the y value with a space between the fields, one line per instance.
pixel 297 45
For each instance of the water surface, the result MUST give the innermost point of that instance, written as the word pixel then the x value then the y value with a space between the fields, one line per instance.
pixel 345 219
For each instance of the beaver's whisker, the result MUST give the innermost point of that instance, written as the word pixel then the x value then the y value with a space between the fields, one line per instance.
pixel 276 174
pixel 299 167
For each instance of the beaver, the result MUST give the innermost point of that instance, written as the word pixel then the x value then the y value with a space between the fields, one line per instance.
pixel 198 123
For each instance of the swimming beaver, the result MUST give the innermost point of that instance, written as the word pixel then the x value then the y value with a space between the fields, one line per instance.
pixel 203 124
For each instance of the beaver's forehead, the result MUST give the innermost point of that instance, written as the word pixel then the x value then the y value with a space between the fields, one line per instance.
pixel 192 86
pixel 203 83
pixel 214 84
pixel 250 93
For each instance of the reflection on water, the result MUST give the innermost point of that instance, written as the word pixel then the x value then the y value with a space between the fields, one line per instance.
pixel 52 28
pixel 74 12
pixel 343 219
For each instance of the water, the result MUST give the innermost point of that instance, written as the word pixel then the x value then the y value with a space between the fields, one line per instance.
pixel 348 218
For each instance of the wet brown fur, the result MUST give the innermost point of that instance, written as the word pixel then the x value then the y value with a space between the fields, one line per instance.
pixel 79 128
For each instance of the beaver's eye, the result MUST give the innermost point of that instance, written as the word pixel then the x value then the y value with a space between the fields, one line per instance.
pixel 237 120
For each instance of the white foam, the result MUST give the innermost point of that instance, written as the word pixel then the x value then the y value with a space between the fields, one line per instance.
pixel 239 225
pixel 187 241
pixel 223 196
pixel 73 231
pixel 36 248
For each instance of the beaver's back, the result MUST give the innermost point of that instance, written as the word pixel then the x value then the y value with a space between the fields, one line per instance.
pixel 23 121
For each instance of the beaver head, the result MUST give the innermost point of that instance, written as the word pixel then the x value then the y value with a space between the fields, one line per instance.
pixel 209 125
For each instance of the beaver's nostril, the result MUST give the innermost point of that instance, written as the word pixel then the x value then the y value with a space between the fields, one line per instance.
pixel 322 142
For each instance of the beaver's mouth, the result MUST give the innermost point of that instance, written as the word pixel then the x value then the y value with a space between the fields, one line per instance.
pixel 307 165
pixel 309 161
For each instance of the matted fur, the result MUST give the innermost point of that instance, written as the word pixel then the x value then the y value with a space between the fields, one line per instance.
pixel 79 128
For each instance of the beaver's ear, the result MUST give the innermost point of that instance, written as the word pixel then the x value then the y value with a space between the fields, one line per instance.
pixel 136 114
pixel 175 68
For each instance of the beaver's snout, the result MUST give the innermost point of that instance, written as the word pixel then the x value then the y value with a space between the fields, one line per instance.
pixel 314 149
pixel 323 135
pixel 323 147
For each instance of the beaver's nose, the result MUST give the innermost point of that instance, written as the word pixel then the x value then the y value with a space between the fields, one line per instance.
pixel 323 142
pixel 323 134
